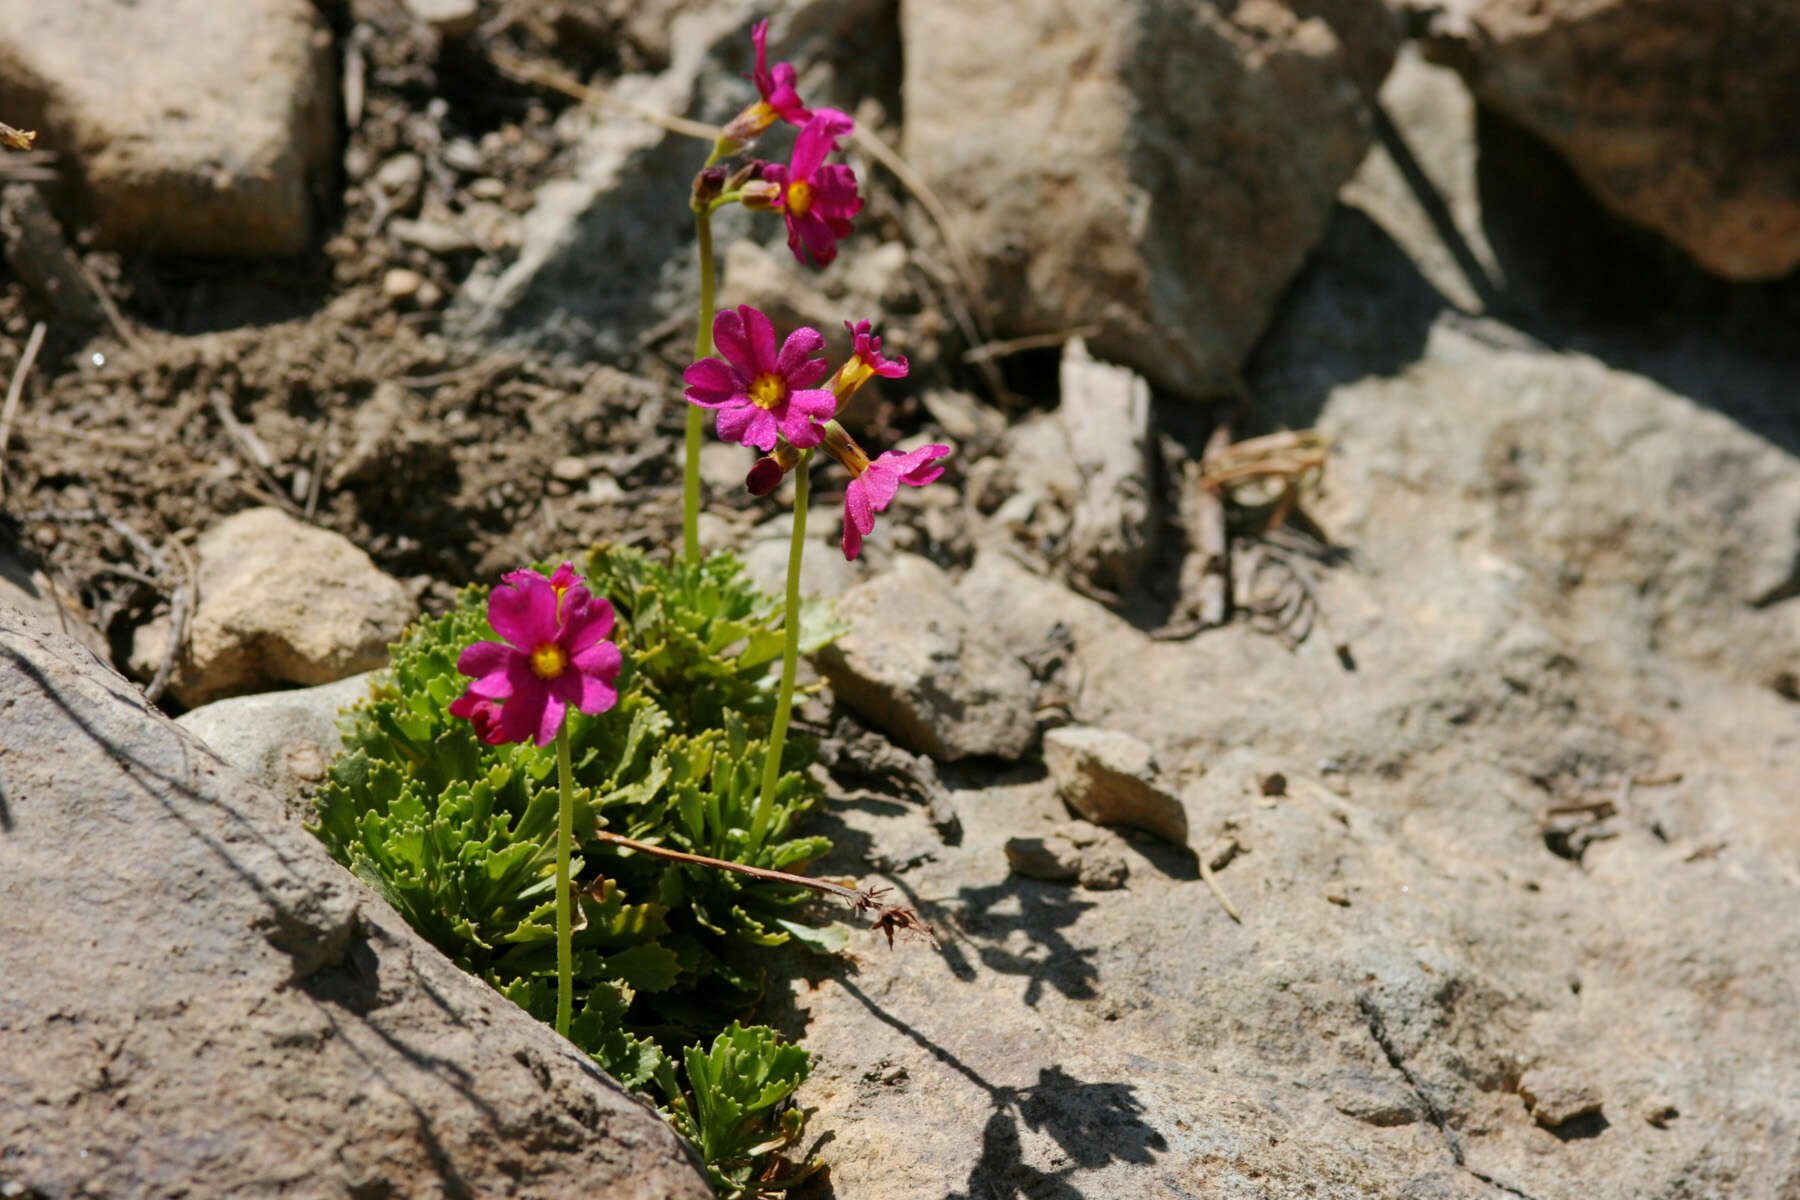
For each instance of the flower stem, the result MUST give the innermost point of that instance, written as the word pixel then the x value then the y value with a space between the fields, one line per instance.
pixel 565 834
pixel 703 346
pixel 790 656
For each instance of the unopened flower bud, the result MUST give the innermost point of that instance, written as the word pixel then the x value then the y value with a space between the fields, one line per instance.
pixel 767 473
pixel 760 195
pixel 749 171
pixel 707 186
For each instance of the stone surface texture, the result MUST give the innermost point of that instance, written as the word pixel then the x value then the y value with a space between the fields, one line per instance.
pixel 196 998
pixel 279 602
pixel 1679 116
pixel 1572 579
pixel 915 667
pixel 1105 414
pixel 1157 168
pixel 283 740
pixel 191 126
pixel 1111 778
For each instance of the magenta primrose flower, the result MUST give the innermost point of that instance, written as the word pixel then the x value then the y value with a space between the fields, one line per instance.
pixel 865 361
pixel 778 98
pixel 555 655
pixel 760 392
pixel 816 198
pixel 875 484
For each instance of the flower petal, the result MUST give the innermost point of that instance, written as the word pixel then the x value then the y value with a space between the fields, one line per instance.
pixel 523 610
pixel 815 234
pixel 711 384
pixel 748 426
pixel 761 334
pixel 796 363
pixel 602 660
pixel 730 338
pixel 586 626
pixel 817 139
pixel 486 658
pixel 915 467
pixel 880 482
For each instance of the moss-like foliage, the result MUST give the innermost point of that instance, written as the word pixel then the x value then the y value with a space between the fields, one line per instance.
pixel 461 838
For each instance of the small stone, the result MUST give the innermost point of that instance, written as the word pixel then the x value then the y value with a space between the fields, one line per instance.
pixel 402 180
pixel 1049 858
pixel 402 282
pixel 438 237
pixel 1111 778
pixel 488 188
pixel 451 18
pixel 1338 894
pixel 569 468
pixel 429 295
pixel 1554 1095
pixel 1659 1111
pixel 1105 413
pixel 1273 784
pixel 279 602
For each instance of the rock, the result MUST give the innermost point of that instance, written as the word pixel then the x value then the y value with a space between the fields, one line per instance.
pixel 210 132
pixel 1111 778
pixel 914 667
pixel 41 257
pixel 285 741
pixel 623 203
pixel 450 18
pixel 1555 1095
pixel 1073 852
pixel 195 991
pixel 1158 168
pixel 279 602
pixel 401 283
pixel 1105 413
pixel 25 589
pixel 1636 97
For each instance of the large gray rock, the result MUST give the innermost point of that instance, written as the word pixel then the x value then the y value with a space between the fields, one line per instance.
pixel 916 667
pixel 1677 115
pixel 279 602
pixel 197 997
pixel 1155 167
pixel 193 126
pixel 283 740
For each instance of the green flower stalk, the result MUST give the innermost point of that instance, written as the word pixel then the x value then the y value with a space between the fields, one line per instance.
pixel 556 656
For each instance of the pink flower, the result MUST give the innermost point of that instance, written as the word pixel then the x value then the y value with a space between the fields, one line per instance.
pixel 865 362
pixel 483 714
pixel 776 87
pixel 558 656
pixel 874 486
pixel 778 99
pixel 816 199
pixel 758 391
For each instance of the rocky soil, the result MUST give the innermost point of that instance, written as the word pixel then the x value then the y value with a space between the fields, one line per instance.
pixel 1439 840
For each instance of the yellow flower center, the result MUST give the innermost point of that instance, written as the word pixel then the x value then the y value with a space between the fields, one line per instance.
pixel 768 391
pixel 799 197
pixel 548 661
pixel 851 376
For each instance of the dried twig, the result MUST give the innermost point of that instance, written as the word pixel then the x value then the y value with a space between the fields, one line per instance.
pixel 260 459
pixel 1035 341
pixel 889 918
pixel 13 391
pixel 1224 850
pixel 16 139
pixel 181 607
pixel 530 73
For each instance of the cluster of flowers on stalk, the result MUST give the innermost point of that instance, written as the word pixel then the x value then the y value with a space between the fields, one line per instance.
pixel 556 654
pixel 765 398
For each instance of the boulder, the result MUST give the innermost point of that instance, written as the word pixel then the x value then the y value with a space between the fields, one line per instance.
pixel 279 602
pixel 196 995
pixel 1678 116
pixel 209 130
pixel 914 666
pixel 1157 168
pixel 283 740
